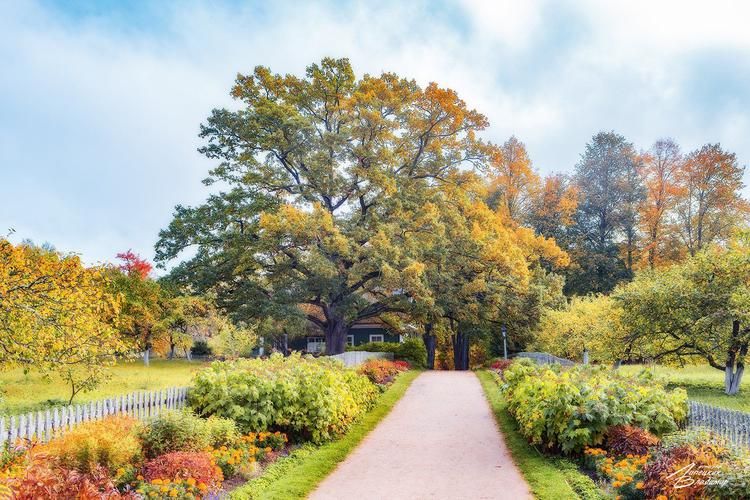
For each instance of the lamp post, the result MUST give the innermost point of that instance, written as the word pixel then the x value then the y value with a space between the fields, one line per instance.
pixel 505 341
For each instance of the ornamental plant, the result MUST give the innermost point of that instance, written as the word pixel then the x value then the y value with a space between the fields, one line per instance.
pixel 381 371
pixel 303 397
pixel 185 431
pixel 187 489
pixel 568 409
pixel 182 466
pixel 628 440
pixel 110 443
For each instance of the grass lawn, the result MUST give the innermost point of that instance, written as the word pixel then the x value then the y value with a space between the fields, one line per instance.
pixel 548 477
pixel 298 474
pixel 26 392
pixel 702 383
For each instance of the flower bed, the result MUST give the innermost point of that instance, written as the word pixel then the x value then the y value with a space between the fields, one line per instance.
pixel 185 455
pixel 609 424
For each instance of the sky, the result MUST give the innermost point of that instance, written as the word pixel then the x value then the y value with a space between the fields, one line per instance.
pixel 101 102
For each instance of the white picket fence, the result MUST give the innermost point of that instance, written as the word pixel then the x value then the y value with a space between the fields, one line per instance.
pixel 356 358
pixel 44 425
pixel 732 424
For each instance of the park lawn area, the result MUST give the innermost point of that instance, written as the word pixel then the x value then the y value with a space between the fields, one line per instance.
pixel 548 477
pixel 26 392
pixel 701 382
pixel 298 474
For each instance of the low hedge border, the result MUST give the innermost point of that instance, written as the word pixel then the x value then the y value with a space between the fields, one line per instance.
pixel 296 475
pixel 548 478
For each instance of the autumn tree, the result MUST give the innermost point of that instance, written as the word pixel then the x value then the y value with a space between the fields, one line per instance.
pixel 590 323
pixel 660 169
pixel 512 180
pixel 322 173
pixel 553 207
pixel 56 316
pixel 143 304
pixel 609 191
pixel 478 268
pixel 182 318
pixel 699 309
pixel 710 205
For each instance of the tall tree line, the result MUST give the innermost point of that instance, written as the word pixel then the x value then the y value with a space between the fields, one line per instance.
pixel 623 209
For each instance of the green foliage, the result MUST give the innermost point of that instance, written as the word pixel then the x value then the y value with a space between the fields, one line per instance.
pixel 547 480
pixel 411 349
pixel 591 323
pixel 306 398
pixel 698 309
pixel 184 431
pixel 571 409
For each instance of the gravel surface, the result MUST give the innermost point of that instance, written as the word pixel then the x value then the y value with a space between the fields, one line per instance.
pixel 439 441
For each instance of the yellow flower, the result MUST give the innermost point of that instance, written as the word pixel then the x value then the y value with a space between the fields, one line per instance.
pixel 639 486
pixel 202 486
pixel 616 484
pixel 155 481
pixel 164 489
pixel 191 481
pixel 173 493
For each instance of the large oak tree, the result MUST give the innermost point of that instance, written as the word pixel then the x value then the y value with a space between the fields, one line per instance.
pixel 322 177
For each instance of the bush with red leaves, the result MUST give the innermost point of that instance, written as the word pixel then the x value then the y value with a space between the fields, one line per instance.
pixel 184 465
pixel 622 440
pixel 500 364
pixel 45 478
pixel 380 371
pixel 662 476
pixel 402 365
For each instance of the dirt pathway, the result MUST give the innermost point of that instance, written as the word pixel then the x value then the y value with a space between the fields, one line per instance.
pixel 439 441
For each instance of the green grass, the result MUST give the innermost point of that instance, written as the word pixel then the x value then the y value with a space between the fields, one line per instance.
pixel 26 392
pixel 702 383
pixel 548 477
pixel 298 474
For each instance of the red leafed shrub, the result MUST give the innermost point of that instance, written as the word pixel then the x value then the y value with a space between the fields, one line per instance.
pixel 663 475
pixel 500 364
pixel 379 371
pixel 184 465
pixel 625 440
pixel 45 478
pixel 402 365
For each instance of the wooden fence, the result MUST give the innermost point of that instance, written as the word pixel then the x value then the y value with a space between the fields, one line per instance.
pixel 733 425
pixel 355 358
pixel 44 425
pixel 545 358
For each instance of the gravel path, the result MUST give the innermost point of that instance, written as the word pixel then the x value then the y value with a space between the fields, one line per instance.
pixel 439 441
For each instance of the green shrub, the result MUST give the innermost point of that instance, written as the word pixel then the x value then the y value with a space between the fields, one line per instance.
pixel 306 398
pixel 412 350
pixel 568 409
pixel 185 431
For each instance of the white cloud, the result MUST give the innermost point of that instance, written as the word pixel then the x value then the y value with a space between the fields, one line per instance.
pixel 98 133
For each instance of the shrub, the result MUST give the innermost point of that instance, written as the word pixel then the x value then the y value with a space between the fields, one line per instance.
pixel 201 348
pixel 402 365
pixel 184 465
pixel 306 398
pixel 500 364
pixel 670 460
pixel 411 350
pixel 46 478
pixel 379 371
pixel 167 490
pixel 570 409
pixel 110 443
pixel 185 431
pixel 623 440
pixel 248 450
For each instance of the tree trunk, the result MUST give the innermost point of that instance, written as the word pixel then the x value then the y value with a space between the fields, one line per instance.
pixel 430 340
pixel 732 379
pixel 146 356
pixel 335 333
pixel 460 351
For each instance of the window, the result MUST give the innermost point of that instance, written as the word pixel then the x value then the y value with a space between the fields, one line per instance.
pixel 350 340
pixel 316 344
pixel 376 338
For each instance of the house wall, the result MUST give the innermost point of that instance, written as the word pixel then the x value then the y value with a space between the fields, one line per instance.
pixel 359 334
